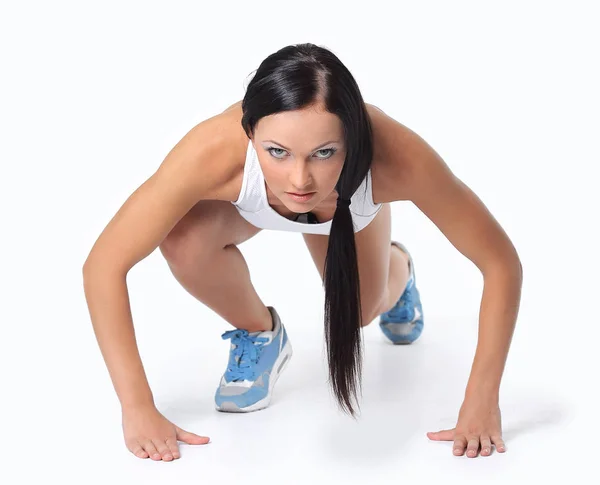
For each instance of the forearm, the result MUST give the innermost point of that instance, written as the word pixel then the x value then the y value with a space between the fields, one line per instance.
pixel 498 314
pixel 110 311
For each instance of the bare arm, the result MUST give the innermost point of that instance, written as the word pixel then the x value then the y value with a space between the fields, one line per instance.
pixel 416 172
pixel 199 167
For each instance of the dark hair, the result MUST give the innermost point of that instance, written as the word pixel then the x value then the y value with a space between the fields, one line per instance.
pixel 296 77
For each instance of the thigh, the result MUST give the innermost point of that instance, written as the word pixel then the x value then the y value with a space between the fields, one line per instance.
pixel 209 225
pixel 373 246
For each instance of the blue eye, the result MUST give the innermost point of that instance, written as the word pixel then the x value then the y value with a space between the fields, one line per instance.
pixel 331 150
pixel 275 148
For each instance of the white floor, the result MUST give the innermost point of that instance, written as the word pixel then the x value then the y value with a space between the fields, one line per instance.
pixel 94 99
pixel 72 419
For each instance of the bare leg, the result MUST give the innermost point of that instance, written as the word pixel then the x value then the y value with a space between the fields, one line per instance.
pixel 398 277
pixel 202 257
pixel 383 267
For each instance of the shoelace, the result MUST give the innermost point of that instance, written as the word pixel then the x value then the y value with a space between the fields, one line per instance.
pixel 245 354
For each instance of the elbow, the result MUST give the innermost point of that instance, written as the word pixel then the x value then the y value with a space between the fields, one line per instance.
pixel 517 270
pixel 89 263
pixel 89 266
pixel 95 264
pixel 518 266
pixel 86 268
pixel 504 267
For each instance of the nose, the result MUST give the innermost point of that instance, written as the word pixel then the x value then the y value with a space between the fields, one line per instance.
pixel 300 177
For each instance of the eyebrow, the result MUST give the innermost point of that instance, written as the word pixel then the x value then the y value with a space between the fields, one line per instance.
pixel 316 148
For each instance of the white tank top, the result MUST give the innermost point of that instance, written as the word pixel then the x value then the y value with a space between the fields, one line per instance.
pixel 253 205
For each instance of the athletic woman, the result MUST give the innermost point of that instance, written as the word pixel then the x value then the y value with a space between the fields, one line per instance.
pixel 301 152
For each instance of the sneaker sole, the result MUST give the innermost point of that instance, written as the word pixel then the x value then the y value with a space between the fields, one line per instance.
pixel 401 341
pixel 280 364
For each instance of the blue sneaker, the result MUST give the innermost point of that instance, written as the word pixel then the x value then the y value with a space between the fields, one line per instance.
pixel 255 362
pixel 403 323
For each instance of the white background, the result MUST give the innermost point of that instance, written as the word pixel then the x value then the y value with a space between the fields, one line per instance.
pixel 94 95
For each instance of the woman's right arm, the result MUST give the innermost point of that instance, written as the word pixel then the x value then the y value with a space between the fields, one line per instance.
pixel 199 167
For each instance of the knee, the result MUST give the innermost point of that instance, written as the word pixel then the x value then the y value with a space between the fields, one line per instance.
pixel 367 318
pixel 173 249
pixel 371 309
pixel 187 244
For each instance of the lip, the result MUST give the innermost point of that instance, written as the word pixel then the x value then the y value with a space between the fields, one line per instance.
pixel 301 197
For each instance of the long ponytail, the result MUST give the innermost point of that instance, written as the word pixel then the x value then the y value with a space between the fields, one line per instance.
pixel 343 309
pixel 292 78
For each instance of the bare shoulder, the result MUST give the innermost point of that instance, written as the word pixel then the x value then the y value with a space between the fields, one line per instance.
pixel 206 163
pixel 409 168
pixel 397 155
pixel 214 152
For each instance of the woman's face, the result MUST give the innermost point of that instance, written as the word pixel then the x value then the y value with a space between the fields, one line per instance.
pixel 300 151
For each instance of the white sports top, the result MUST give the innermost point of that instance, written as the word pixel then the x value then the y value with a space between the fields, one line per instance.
pixel 253 205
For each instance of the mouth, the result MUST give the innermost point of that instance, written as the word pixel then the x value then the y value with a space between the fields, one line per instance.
pixel 304 197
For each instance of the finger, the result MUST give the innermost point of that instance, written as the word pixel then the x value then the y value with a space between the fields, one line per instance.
pixel 486 445
pixel 443 435
pixel 191 438
pixel 138 451
pixel 172 444
pixel 163 449
pixel 472 447
pixel 150 449
pixel 460 442
pixel 499 442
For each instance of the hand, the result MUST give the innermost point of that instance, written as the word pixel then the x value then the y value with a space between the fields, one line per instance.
pixel 479 421
pixel 149 434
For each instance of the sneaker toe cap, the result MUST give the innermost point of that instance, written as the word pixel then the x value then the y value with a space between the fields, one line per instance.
pixel 402 333
pixel 242 396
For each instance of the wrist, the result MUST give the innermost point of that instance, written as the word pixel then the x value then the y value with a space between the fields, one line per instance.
pixel 482 391
pixel 136 405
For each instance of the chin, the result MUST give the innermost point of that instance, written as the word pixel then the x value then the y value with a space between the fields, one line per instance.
pixel 304 207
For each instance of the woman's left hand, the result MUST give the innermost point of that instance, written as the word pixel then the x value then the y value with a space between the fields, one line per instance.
pixel 479 422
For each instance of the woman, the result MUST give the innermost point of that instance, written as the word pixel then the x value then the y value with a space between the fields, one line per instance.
pixel 301 152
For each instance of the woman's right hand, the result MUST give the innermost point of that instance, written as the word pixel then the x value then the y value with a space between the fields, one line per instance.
pixel 149 434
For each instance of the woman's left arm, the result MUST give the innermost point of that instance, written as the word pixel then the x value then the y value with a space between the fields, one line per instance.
pixel 470 227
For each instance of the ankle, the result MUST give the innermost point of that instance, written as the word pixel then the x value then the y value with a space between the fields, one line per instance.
pixel 266 323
